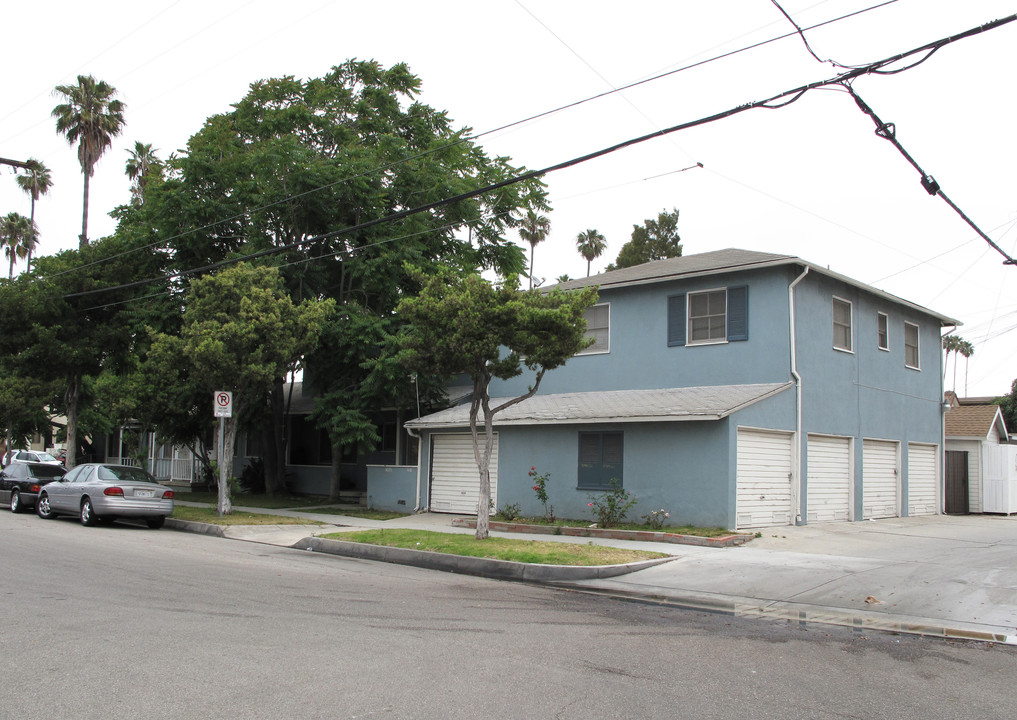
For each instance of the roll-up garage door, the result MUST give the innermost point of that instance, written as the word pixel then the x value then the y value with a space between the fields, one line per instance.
pixel 879 479
pixel 455 480
pixel 922 479
pixel 829 479
pixel 764 479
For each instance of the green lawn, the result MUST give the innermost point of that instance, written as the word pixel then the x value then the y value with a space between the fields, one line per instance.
pixel 526 551
pixel 273 502
pixel 210 516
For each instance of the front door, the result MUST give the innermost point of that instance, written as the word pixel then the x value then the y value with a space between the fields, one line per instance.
pixel 956 482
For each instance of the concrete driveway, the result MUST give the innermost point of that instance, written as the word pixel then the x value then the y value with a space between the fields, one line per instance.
pixel 953 576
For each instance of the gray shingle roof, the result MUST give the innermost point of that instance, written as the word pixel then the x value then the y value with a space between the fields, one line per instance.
pixel 724 261
pixel 671 404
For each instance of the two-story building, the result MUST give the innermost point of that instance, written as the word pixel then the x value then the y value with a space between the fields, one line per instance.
pixel 732 388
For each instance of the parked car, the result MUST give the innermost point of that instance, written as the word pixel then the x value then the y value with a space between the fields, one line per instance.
pixel 32 456
pixel 20 483
pixel 101 492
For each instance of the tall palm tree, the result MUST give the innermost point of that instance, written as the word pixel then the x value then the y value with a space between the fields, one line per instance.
pixel 36 183
pixel 141 160
pixel 950 344
pixel 90 117
pixel 591 245
pixel 534 229
pixel 967 350
pixel 16 232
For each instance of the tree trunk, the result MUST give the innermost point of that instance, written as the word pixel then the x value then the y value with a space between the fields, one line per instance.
pixel 71 396
pixel 483 458
pixel 337 460
pixel 83 239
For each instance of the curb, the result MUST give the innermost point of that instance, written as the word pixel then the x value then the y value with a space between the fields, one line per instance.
pixel 483 567
pixel 731 540
pixel 196 527
pixel 806 614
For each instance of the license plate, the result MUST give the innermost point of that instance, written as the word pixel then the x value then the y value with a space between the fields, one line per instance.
pixel 144 493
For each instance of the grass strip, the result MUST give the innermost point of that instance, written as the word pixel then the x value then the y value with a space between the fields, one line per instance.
pixel 525 551
pixel 210 516
pixel 566 522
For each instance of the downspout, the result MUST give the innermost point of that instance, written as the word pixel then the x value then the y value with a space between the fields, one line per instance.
pixel 943 409
pixel 796 487
pixel 420 447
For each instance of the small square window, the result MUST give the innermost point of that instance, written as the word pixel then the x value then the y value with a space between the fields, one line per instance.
pixel 842 325
pixel 707 316
pixel 883 331
pixel 911 354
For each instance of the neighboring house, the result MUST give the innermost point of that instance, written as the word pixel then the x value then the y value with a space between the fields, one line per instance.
pixel 733 388
pixel 981 468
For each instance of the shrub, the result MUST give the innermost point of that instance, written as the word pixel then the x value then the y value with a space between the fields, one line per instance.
pixel 540 487
pixel 655 519
pixel 509 512
pixel 611 506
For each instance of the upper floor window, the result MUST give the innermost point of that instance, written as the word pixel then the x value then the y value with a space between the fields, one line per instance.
pixel 842 325
pixel 710 316
pixel 911 356
pixel 883 331
pixel 598 327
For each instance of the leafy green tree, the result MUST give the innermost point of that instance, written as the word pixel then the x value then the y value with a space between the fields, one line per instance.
pixel 534 230
pixel 591 245
pixel 466 325
pixel 16 236
pixel 36 183
pixel 90 116
pixel 1008 405
pixel 309 165
pixel 241 332
pixel 653 240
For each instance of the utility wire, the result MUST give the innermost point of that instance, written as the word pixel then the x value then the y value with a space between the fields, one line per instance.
pixel 477 136
pixel 888 131
pixel 787 97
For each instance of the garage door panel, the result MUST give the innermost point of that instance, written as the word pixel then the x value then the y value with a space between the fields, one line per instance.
pixel 879 479
pixel 455 479
pixel 829 479
pixel 922 479
pixel 763 479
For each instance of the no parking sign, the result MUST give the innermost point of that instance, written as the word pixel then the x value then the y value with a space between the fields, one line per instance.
pixel 223 402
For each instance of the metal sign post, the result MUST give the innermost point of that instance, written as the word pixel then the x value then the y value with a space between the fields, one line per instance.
pixel 222 401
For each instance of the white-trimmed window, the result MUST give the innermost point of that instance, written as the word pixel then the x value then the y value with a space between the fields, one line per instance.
pixel 842 330
pixel 598 327
pixel 707 317
pixel 883 331
pixel 911 354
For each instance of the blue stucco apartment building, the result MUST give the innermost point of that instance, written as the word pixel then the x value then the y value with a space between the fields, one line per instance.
pixel 732 388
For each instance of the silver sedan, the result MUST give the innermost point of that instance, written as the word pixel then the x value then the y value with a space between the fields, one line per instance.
pixel 97 493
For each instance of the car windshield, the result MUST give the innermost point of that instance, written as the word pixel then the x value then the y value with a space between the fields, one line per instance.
pixel 45 471
pixel 46 457
pixel 123 473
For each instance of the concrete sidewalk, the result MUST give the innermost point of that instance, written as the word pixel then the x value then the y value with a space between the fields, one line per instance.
pixel 944 576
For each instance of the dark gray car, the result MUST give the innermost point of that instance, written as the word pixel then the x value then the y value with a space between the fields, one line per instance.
pixel 20 483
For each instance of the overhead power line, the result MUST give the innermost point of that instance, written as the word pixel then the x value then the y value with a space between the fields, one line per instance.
pixel 784 98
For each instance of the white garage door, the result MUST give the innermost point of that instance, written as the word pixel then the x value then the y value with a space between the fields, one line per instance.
pixel 764 479
pixel 879 479
pixel 922 479
pixel 829 479
pixel 455 480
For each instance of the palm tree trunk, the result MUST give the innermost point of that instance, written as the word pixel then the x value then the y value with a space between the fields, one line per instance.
pixel 83 239
pixel 31 243
pixel 531 265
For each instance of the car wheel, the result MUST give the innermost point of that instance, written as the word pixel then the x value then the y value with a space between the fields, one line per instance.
pixel 155 522
pixel 42 508
pixel 16 506
pixel 87 515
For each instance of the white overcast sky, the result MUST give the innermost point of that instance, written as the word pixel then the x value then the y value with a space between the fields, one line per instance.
pixel 811 179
